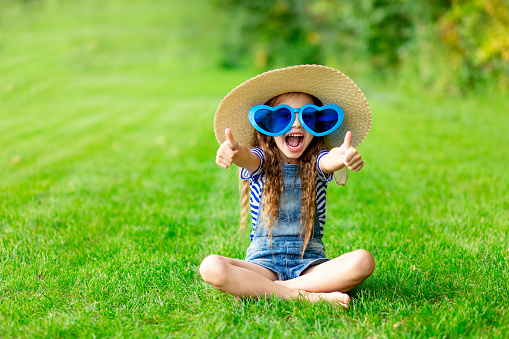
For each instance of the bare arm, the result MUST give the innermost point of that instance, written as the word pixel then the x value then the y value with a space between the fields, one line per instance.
pixel 339 157
pixel 231 152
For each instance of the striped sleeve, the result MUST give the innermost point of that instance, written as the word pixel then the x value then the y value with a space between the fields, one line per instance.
pixel 324 176
pixel 245 174
pixel 256 180
pixel 321 191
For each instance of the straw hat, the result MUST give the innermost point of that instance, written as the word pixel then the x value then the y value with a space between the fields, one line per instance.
pixel 325 83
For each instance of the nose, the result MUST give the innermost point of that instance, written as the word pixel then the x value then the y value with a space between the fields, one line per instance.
pixel 296 122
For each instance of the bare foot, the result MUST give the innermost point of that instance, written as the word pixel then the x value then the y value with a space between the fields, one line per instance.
pixel 342 298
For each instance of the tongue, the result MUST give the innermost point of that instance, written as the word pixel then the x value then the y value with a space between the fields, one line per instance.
pixel 293 141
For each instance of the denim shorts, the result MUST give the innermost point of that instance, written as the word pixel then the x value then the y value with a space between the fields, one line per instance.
pixel 283 255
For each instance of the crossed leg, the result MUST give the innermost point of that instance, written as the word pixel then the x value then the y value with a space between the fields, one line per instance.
pixel 321 282
pixel 340 274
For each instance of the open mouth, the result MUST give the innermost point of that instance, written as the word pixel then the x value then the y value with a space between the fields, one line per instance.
pixel 294 141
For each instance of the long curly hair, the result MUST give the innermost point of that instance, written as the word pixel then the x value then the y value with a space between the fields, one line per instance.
pixel 273 187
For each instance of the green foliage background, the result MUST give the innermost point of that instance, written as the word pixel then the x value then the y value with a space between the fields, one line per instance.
pixel 110 197
pixel 448 45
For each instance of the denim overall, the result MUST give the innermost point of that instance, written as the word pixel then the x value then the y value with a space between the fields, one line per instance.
pixel 283 252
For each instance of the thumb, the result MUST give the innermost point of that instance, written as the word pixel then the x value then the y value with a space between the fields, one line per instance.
pixel 229 136
pixel 348 139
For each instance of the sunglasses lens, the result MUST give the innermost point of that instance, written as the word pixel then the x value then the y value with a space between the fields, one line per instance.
pixel 273 121
pixel 320 121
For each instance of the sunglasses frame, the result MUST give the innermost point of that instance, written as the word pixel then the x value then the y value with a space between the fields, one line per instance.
pixel 338 109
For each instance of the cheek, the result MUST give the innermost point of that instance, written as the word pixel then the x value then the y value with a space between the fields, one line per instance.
pixel 280 142
pixel 309 138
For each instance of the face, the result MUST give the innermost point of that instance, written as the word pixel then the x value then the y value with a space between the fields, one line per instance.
pixel 293 143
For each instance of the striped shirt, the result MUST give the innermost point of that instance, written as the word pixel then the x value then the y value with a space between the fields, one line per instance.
pixel 257 180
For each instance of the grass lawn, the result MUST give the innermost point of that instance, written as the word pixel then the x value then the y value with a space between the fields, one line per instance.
pixel 110 197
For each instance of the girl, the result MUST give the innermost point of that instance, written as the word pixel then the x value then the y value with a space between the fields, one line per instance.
pixel 281 148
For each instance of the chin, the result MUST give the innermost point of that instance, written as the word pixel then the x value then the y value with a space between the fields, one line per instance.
pixel 293 157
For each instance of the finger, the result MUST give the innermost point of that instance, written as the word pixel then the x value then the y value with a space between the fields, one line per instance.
pixel 226 158
pixel 353 163
pixel 223 163
pixel 227 152
pixel 356 166
pixel 229 136
pixel 348 139
pixel 220 163
pixel 350 154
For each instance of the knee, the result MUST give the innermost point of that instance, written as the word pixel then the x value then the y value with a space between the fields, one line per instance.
pixel 213 270
pixel 364 264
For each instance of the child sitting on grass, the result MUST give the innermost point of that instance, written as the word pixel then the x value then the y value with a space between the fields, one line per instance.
pixel 289 130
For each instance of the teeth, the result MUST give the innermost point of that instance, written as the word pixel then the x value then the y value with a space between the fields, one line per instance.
pixel 295 135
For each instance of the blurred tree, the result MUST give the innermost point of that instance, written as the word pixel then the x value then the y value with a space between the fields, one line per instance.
pixel 468 38
pixel 477 34
pixel 270 33
pixel 390 28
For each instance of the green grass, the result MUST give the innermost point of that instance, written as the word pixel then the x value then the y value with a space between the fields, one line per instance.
pixel 110 197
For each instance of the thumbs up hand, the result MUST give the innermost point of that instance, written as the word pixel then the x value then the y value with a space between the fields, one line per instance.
pixel 347 154
pixel 229 137
pixel 228 151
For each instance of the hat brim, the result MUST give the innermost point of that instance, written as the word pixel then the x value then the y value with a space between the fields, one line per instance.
pixel 326 83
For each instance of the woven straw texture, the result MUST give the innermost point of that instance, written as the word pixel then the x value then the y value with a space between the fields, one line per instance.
pixel 325 83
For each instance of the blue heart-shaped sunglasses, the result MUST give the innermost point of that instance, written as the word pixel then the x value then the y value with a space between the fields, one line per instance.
pixel 317 120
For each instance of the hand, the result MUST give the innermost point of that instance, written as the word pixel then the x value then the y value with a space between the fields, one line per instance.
pixel 228 151
pixel 348 154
